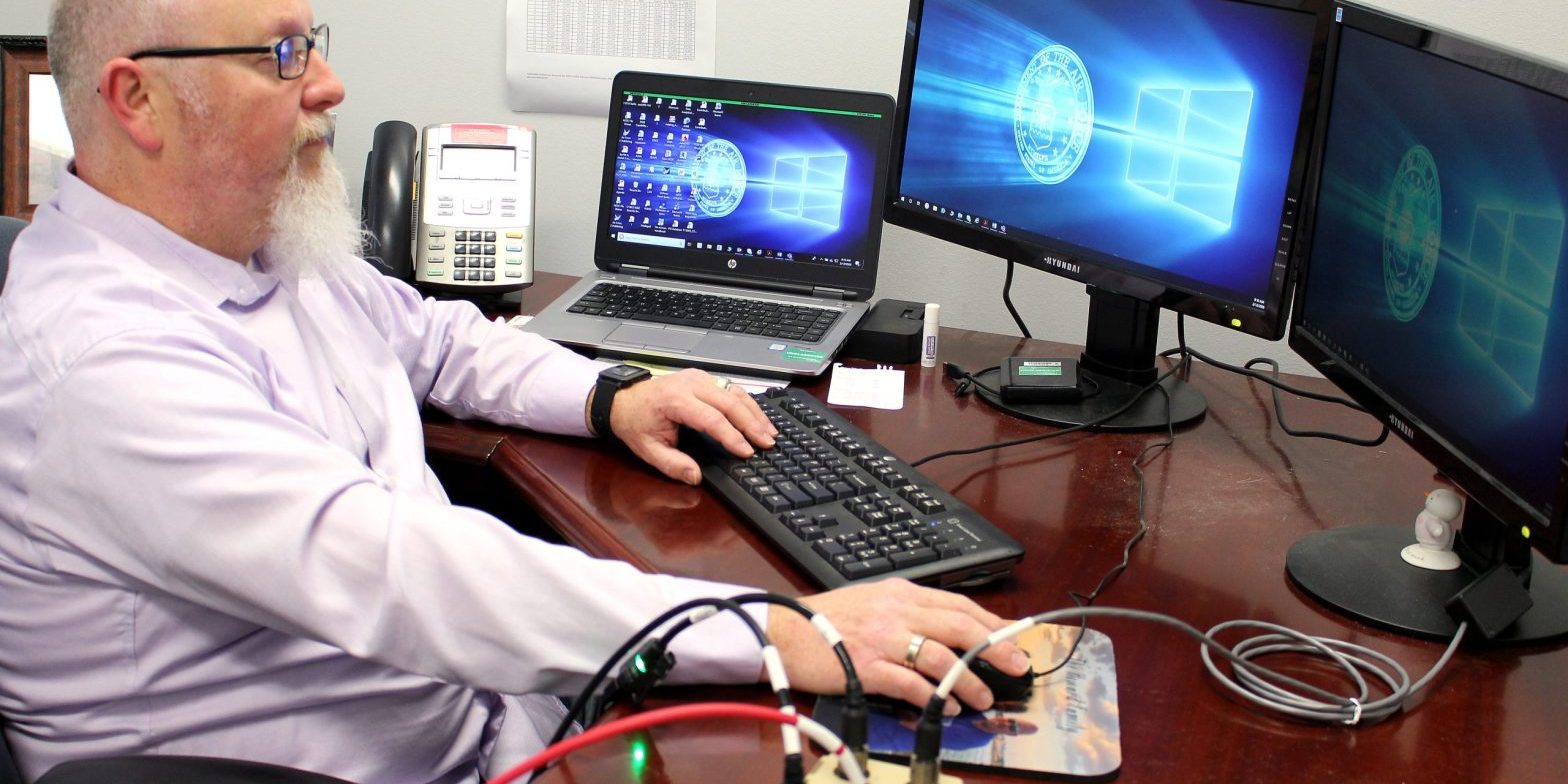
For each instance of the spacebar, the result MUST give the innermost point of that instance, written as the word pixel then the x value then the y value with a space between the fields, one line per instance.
pixel 660 318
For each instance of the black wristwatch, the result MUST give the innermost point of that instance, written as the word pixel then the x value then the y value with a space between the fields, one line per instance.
pixel 611 380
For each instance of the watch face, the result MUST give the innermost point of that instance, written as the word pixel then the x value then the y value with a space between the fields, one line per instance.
pixel 624 372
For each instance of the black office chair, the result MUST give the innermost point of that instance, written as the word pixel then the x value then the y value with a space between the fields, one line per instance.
pixel 147 769
pixel 9 228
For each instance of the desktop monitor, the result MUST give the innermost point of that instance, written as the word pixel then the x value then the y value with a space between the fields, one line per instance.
pixel 1152 150
pixel 1434 291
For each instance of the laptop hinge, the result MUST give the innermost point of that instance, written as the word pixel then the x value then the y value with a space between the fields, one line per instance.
pixel 637 270
pixel 826 292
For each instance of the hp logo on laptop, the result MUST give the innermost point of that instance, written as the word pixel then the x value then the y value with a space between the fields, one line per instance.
pixel 732 264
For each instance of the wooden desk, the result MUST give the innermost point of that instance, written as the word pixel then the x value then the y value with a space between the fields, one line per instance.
pixel 1224 505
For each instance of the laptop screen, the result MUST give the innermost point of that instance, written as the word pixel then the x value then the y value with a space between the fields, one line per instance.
pixel 745 181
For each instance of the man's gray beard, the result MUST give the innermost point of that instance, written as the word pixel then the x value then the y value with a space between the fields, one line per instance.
pixel 313 232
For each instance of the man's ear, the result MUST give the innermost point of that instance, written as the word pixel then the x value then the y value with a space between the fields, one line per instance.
pixel 126 91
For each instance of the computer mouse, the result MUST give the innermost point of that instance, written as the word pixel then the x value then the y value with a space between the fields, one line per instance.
pixel 1004 687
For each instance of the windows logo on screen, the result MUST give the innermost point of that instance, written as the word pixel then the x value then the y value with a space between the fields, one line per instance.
pixel 810 187
pixel 1187 148
pixel 1507 289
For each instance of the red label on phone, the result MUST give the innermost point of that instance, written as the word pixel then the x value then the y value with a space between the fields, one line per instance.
pixel 477 133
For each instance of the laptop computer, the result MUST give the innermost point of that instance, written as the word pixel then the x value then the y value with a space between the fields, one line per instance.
pixel 716 191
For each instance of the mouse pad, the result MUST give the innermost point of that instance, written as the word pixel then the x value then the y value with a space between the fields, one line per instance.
pixel 1068 728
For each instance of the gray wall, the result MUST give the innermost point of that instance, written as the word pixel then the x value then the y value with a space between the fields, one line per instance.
pixel 433 62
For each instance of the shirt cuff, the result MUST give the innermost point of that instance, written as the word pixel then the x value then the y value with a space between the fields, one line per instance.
pixel 557 397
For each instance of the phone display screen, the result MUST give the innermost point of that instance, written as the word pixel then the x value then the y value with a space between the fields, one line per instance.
pixel 478 163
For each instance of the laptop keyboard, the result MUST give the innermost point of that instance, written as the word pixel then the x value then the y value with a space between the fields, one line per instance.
pixel 845 510
pixel 707 311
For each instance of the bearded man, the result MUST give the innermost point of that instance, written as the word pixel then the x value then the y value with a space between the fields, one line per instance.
pixel 218 535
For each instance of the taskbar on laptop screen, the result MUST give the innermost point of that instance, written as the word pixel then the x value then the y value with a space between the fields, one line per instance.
pixel 742 178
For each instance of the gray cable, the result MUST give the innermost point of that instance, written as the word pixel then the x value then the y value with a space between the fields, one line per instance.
pixel 1274 691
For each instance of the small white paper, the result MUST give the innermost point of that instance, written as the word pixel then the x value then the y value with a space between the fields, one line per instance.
pixel 878 387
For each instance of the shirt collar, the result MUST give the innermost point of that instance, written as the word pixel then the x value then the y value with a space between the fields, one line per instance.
pixel 214 277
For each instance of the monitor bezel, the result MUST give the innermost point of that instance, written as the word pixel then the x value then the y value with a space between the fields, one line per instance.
pixel 1547 529
pixel 1106 272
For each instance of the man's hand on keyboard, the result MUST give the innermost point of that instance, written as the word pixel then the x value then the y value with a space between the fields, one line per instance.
pixel 882 622
pixel 647 417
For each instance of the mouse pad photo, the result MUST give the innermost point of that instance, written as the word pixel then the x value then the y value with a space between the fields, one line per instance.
pixel 1068 727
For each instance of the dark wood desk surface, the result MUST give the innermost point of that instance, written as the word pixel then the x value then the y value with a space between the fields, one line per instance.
pixel 1224 505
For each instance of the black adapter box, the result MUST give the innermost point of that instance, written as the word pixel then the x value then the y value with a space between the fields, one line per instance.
pixel 890 332
pixel 1039 380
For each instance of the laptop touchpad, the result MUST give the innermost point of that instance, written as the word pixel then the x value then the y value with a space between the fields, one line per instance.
pixel 664 339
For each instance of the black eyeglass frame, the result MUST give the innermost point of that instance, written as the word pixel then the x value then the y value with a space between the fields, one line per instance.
pixel 319 32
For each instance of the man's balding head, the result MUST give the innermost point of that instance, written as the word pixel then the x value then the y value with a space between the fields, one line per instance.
pixel 85 34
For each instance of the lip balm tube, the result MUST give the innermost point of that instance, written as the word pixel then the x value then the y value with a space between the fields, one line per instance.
pixel 928 336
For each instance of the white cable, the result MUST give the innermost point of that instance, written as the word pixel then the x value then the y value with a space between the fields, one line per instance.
pixel 827 740
pixel 826 629
pixel 1255 683
pixel 780 683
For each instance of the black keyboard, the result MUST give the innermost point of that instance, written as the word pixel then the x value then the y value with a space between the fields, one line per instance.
pixel 708 311
pixel 845 510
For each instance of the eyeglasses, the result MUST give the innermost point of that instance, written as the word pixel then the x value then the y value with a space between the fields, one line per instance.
pixel 292 51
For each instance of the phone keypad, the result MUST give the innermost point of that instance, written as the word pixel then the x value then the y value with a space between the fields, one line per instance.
pixel 475 253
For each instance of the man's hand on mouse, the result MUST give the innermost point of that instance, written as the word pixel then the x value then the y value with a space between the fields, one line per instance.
pixel 882 623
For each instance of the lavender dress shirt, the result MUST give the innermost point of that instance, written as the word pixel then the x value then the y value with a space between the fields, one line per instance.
pixel 218 535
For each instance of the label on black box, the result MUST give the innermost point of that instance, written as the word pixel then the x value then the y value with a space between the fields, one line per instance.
pixel 1039 367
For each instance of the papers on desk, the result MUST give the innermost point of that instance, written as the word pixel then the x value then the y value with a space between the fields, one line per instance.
pixel 878 387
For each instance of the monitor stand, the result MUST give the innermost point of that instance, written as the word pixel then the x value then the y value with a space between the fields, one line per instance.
pixel 1119 361
pixel 1358 571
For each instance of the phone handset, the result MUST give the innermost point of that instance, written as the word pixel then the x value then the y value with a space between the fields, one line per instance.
pixel 387 201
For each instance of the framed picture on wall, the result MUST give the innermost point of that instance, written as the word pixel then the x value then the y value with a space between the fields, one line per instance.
pixel 34 143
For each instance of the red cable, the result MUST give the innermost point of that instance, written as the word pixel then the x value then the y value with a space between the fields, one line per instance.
pixel 700 710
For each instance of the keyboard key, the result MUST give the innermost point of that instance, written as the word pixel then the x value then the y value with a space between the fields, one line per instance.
pixel 910 558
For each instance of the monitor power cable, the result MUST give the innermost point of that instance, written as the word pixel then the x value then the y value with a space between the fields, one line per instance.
pixel 1273 381
pixel 1007 299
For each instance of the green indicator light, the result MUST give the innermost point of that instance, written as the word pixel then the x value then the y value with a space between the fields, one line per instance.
pixel 642 666
pixel 639 754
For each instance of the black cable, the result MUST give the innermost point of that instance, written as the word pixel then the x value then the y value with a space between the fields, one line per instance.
pixel 1279 415
pixel 1054 433
pixel 1082 600
pixel 1277 385
pixel 1007 299
pixel 854 690
pixel 856 713
pixel 966 380
pixel 587 693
